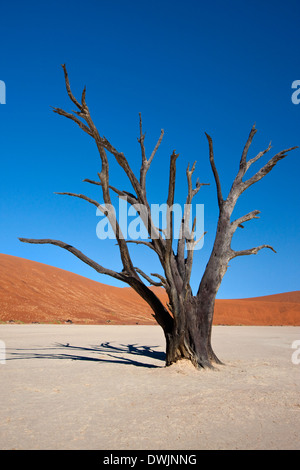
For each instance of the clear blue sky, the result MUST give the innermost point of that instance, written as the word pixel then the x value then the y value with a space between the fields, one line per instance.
pixel 190 67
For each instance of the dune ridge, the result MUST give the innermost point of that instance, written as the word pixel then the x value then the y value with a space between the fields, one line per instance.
pixel 32 292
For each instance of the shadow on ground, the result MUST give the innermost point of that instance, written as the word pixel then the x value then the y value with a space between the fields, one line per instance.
pixel 114 354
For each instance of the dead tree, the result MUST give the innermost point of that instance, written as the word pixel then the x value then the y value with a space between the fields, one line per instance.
pixel 187 319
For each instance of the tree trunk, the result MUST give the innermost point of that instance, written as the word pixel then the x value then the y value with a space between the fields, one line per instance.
pixel 190 337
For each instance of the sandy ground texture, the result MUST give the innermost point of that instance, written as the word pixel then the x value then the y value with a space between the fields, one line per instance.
pixel 106 387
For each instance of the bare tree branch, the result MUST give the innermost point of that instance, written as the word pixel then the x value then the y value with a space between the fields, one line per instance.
pixel 102 145
pixel 83 102
pixel 87 180
pixel 214 169
pixel 103 175
pixel 184 228
pixel 251 251
pixel 170 202
pixel 191 194
pixel 189 260
pixel 258 156
pixel 266 168
pixel 162 279
pixel 71 96
pixel 122 194
pixel 100 269
pixel 86 198
pixel 109 212
pixel 73 118
pixel 102 142
pixel 239 186
pixel 148 278
pixel 122 161
pixel 161 315
pixel 146 163
pixel 238 222
pixel 245 151
pixel 156 147
pixel 141 141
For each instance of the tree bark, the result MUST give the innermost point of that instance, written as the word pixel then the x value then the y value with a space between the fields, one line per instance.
pixel 190 337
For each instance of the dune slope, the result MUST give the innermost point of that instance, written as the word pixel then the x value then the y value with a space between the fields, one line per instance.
pixel 35 292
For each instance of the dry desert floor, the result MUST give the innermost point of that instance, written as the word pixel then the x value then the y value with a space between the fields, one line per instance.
pixel 106 387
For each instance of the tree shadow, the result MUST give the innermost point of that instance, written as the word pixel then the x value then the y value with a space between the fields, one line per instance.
pixel 113 354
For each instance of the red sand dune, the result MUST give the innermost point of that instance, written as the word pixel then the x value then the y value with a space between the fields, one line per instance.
pixel 35 292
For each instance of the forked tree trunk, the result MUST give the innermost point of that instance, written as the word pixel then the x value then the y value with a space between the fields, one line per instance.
pixel 190 337
pixel 188 330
